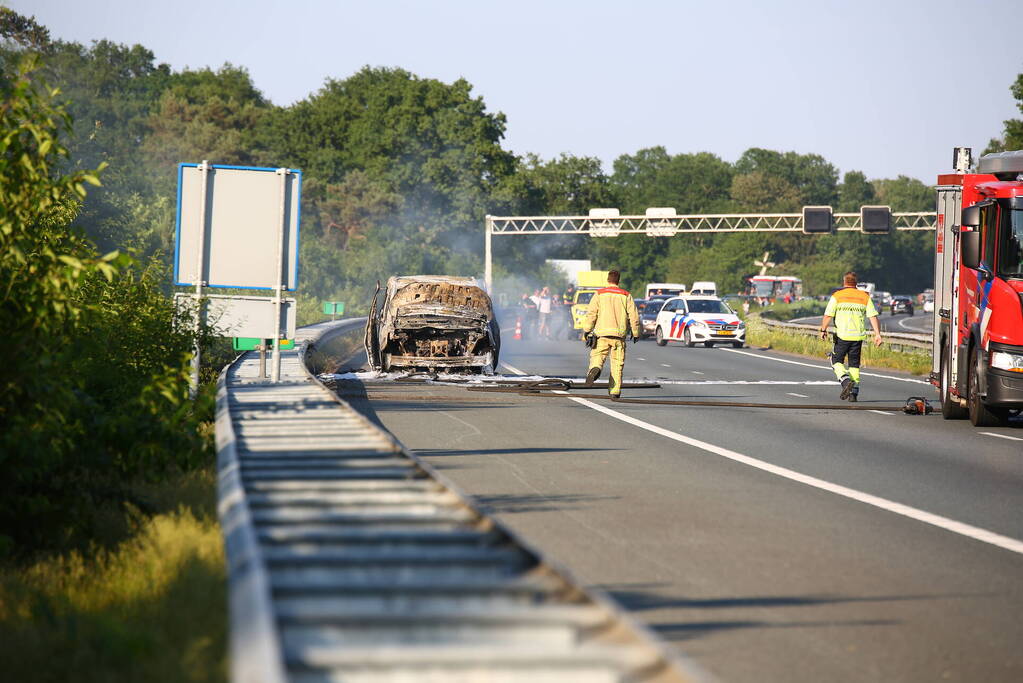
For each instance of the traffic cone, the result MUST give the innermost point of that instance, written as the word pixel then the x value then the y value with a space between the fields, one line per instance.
pixel 518 328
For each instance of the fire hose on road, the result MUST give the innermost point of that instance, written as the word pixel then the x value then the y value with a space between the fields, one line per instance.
pixel 563 388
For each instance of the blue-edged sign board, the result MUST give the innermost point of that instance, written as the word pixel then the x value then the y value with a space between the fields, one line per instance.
pixel 242 217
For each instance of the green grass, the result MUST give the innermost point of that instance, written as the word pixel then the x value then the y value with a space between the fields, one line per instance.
pixel 151 606
pixel 759 334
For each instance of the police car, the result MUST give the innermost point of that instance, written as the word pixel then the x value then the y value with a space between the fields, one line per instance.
pixel 695 319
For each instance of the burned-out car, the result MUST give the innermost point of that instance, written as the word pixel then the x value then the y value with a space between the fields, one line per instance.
pixel 432 322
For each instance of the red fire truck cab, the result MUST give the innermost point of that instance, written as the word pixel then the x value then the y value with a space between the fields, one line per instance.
pixel 977 361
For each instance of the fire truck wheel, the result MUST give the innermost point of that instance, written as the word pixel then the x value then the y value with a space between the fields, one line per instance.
pixel 980 414
pixel 950 408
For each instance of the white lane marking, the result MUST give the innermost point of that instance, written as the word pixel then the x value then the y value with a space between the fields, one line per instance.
pixel 665 365
pixel 640 358
pixel 797 395
pixel 1001 436
pixel 824 367
pixel 697 372
pixel 880 412
pixel 967 530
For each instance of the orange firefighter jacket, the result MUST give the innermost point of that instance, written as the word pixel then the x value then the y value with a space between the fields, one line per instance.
pixel 612 313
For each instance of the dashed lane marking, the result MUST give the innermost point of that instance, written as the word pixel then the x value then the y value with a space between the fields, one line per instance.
pixel 697 372
pixel 665 365
pixel 1001 436
pixel 824 367
pixel 961 528
pixel 880 412
pixel 789 393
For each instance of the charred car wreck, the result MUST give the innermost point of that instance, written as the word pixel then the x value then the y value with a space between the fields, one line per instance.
pixel 432 322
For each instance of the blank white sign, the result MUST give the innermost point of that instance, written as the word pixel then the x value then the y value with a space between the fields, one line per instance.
pixel 242 221
pixel 243 316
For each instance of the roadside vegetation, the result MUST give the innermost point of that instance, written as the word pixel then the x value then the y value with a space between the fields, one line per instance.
pixel 760 335
pixel 109 567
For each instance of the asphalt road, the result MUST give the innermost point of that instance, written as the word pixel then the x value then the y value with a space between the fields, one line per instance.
pixel 767 545
pixel 920 323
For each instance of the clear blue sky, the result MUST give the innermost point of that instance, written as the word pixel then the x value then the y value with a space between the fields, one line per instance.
pixel 884 87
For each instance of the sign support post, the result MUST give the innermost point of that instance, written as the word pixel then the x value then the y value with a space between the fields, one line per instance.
pixel 204 170
pixel 279 282
pixel 488 268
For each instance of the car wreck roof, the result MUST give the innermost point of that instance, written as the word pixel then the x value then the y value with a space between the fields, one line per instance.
pixel 402 280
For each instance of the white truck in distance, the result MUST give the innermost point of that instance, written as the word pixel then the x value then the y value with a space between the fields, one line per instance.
pixel 704 288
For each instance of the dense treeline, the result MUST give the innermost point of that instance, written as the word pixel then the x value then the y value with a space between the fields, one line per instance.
pixel 399 173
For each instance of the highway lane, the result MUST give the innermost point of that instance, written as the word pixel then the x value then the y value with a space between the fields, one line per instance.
pixel 755 576
pixel 920 323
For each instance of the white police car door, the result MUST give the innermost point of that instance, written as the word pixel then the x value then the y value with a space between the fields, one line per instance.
pixel 664 317
pixel 677 324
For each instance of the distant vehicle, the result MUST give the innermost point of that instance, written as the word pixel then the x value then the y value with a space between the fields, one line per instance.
pixel 901 304
pixel 867 287
pixel 928 305
pixel 790 286
pixel 763 287
pixel 587 282
pixel 669 288
pixel 704 288
pixel 884 297
pixel 430 322
pixel 648 317
pixel 694 319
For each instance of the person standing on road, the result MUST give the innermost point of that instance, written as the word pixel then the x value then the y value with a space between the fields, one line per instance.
pixel 544 308
pixel 611 314
pixel 850 308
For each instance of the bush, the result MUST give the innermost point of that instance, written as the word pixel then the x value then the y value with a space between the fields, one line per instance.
pixel 95 383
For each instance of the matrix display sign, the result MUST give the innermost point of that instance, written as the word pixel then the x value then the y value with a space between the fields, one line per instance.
pixel 238 227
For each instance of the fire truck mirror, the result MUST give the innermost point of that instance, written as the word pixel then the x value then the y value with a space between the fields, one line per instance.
pixel 970 246
pixel 971 217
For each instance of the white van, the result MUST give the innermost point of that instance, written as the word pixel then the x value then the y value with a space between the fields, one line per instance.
pixel 664 288
pixel 704 288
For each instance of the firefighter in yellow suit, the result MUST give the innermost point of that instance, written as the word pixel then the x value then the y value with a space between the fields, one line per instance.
pixel 611 315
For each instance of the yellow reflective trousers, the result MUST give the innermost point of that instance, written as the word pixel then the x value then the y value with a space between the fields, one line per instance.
pixel 615 347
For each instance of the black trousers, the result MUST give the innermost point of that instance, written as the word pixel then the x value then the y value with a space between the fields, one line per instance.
pixel 845 348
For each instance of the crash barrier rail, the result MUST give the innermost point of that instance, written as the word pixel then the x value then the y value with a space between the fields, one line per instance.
pixel 896 341
pixel 351 559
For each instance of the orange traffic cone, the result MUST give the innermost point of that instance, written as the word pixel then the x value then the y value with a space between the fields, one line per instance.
pixel 518 328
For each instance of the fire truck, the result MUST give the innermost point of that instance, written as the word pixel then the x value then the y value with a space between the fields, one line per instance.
pixel 977 360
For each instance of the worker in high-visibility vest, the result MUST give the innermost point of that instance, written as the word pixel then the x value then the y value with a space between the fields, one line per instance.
pixel 612 313
pixel 850 308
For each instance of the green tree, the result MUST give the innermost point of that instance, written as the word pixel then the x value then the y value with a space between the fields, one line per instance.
pixel 814 178
pixel 431 142
pixel 94 389
pixel 691 183
pixel 758 192
pixel 1012 134
pixel 904 194
pixel 855 192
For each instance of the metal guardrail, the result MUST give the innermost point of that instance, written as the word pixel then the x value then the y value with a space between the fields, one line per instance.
pixel 896 341
pixel 350 559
